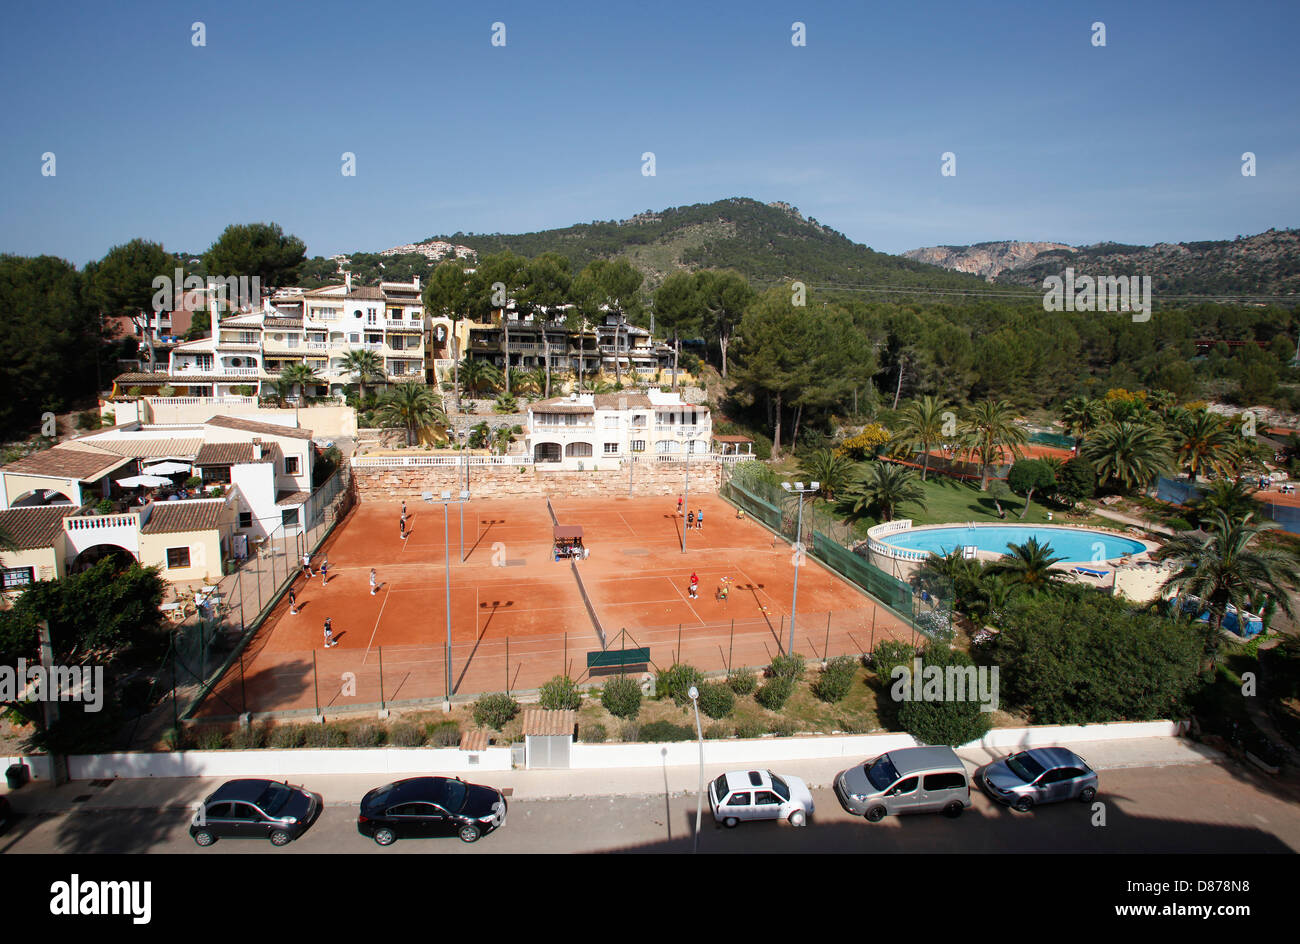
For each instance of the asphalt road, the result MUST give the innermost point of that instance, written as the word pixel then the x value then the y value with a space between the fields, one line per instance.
pixel 1174 809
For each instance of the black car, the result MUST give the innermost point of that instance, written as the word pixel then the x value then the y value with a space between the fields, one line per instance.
pixel 430 806
pixel 255 809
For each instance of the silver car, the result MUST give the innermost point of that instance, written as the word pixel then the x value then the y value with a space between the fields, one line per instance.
pixel 741 795
pixel 906 780
pixel 1039 775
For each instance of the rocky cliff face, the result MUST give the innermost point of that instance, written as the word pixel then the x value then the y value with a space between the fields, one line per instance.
pixel 985 259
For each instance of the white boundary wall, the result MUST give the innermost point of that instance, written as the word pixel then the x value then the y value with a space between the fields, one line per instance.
pixel 305 762
pixel 298 762
pixel 767 750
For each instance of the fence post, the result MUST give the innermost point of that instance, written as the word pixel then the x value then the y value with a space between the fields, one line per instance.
pixel 507 664
pixel 315 682
pixel 566 653
pixel 678 657
pixel 731 644
pixel 873 627
pixel 780 635
pixel 826 648
pixel 381 678
pixel 243 692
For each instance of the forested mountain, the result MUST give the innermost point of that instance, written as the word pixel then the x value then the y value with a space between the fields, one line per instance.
pixel 1267 264
pixel 766 243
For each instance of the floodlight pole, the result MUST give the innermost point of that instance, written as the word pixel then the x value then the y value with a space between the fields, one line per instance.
pixel 686 507
pixel 798 491
pixel 446 545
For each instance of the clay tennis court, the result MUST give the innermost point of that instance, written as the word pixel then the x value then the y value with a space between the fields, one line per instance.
pixel 518 616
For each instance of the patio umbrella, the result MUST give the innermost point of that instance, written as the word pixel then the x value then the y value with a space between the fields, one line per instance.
pixel 137 481
pixel 167 468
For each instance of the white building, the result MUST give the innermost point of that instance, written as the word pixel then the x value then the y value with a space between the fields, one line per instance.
pixel 596 431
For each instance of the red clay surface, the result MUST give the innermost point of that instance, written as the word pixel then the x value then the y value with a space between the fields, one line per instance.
pixel 637 579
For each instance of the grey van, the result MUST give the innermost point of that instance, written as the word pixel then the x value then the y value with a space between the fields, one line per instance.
pixel 908 780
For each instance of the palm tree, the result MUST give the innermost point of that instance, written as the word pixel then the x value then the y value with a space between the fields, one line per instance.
pixel 1228 568
pixel 920 426
pixel 1234 499
pixel 1080 416
pixel 501 438
pixel 413 407
pixel 283 388
pixel 989 427
pixel 364 365
pixel 478 375
pixel 882 490
pixel 993 595
pixel 952 574
pixel 1162 401
pixel 1029 565
pixel 531 380
pixel 830 471
pixel 1201 442
pixel 300 376
pixel 1128 454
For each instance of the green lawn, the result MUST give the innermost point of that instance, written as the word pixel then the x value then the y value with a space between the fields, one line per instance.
pixel 952 501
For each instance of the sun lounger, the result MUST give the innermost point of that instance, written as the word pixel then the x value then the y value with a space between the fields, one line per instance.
pixel 1089 572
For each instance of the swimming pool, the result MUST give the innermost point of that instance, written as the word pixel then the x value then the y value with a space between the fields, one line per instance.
pixel 1072 545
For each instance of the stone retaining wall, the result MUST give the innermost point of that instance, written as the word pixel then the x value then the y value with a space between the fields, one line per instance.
pixel 533 481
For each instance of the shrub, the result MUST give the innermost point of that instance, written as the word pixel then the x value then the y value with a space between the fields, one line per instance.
pixel 675 681
pixel 447 733
pixel 211 739
pixel 561 694
pixel 495 710
pixel 193 482
pixel 166 390
pixel 406 734
pixel 666 731
pixel 717 731
pixel 749 728
pixel 953 720
pixel 88 420
pixel 285 736
pixel 104 507
pixel 366 735
pixel 630 731
pixel 716 700
pixel 775 693
pixel 888 656
pixel 743 682
pixel 248 738
pixel 621 697
pixel 787 666
pixel 784 727
pixel 853 726
pixel 324 735
pixel 836 679
pixel 592 733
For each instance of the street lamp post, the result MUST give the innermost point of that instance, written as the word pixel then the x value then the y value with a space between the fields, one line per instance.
pixel 699 794
pixel 800 491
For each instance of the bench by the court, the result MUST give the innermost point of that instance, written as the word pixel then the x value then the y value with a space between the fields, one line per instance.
pixel 617 658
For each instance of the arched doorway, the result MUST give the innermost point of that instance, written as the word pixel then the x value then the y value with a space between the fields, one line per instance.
pixel 546 452
pixel 93 555
pixel 40 498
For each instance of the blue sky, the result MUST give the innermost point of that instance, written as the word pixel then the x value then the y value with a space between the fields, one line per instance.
pixel 1139 141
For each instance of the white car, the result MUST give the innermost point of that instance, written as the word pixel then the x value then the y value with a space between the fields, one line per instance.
pixel 743 795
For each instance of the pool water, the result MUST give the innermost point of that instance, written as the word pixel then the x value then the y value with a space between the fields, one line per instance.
pixel 1074 545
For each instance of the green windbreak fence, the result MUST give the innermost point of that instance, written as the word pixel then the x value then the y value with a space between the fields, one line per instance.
pixel 831 542
pixel 1059 440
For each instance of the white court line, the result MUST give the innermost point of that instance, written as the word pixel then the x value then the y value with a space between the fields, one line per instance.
pixel 376 629
pixel 686 600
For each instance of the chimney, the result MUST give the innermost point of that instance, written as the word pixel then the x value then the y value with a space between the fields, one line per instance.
pixel 257 449
pixel 347 280
pixel 214 314
pixel 417 283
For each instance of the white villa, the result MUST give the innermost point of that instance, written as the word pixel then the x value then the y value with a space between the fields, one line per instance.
pixel 596 431
pixel 256 478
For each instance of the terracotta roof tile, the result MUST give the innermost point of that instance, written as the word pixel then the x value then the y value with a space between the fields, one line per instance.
pixel 475 739
pixel 284 499
pixel 66 462
pixel 252 426
pixel 224 454
pixel 540 721
pixel 193 515
pixel 35 527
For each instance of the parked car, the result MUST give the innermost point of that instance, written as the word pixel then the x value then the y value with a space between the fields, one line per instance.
pixel 743 795
pixel 255 809
pixel 908 780
pixel 431 806
pixel 1039 775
